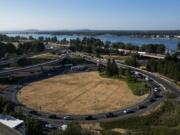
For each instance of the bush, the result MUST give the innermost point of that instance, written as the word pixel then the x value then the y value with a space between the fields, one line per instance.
pixel 170 95
pixel 138 88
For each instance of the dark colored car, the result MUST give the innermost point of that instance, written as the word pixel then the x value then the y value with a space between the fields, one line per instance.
pixel 156 95
pixel 110 115
pixel 152 100
pixel 89 118
pixel 141 107
pixel 53 117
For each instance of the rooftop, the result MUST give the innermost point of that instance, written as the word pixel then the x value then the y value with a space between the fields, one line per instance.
pixel 10 121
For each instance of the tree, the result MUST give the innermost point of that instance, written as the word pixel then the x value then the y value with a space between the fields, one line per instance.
pixel 178 46
pixel 109 68
pixel 41 38
pixel 8 108
pixel 10 48
pixel 115 70
pixel 168 57
pixel 33 127
pixel 24 62
pixel 54 39
pixel 131 61
pixel 3 49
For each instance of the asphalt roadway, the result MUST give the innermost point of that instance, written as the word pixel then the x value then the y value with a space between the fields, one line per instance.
pixel 150 102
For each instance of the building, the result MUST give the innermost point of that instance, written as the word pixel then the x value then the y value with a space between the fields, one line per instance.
pixel 12 123
pixel 125 51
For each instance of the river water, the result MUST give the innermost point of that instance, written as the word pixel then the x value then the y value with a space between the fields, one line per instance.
pixel 169 43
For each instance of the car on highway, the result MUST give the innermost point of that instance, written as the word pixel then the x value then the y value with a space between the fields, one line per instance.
pixel 157 95
pixel 110 115
pixel 68 118
pixel 89 117
pixel 139 107
pixel 152 100
pixel 155 89
pixel 127 111
pixel 53 116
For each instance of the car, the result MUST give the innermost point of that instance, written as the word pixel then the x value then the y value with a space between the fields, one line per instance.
pixel 49 126
pixel 156 95
pixel 68 118
pixel 49 74
pixel 156 89
pixel 89 117
pixel 16 87
pixel 139 107
pixel 128 111
pixel 152 100
pixel 110 115
pixel 53 117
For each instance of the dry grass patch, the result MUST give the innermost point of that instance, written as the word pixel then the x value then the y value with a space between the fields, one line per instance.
pixel 48 56
pixel 79 93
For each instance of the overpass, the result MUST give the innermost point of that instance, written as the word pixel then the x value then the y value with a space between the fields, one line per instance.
pixel 11 71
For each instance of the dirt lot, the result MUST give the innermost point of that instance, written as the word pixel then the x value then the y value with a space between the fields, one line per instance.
pixel 78 93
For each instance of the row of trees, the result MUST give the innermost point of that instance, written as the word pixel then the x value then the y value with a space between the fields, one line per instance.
pixel 35 46
pixel 92 45
pixel 153 48
pixel 89 45
pixel 169 67
pixel 6 38
pixel 9 48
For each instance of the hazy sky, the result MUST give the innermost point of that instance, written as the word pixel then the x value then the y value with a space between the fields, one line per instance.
pixel 89 14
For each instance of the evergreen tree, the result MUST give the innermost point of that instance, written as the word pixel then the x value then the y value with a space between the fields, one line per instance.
pixel 109 68
pixel 115 70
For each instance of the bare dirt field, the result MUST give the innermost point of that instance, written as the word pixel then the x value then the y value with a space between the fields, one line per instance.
pixel 78 93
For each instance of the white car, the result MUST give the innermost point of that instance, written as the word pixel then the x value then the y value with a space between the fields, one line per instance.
pixel 67 118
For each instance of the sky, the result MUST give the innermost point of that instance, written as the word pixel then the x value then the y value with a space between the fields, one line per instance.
pixel 90 14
